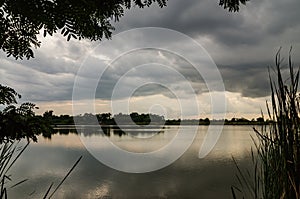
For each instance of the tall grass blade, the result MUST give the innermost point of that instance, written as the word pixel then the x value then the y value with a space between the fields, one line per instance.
pixel 17 157
pixel 18 183
pixel 73 167
pixel 48 190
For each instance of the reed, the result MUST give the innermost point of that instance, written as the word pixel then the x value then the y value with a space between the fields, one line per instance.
pixel 276 157
pixel 9 153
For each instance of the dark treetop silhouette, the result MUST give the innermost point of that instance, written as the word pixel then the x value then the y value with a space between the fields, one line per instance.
pixel 19 122
pixel 22 20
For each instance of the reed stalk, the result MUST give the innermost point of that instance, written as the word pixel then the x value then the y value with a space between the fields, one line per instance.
pixel 276 157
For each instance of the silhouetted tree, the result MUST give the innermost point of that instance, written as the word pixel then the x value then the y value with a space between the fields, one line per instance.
pixel 19 122
pixel 22 20
pixel 105 116
pixel 232 5
pixel 260 119
pixel 48 115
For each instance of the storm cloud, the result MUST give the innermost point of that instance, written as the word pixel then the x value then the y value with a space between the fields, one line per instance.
pixel 242 45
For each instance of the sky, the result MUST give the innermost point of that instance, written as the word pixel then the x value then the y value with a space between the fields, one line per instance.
pixel 241 45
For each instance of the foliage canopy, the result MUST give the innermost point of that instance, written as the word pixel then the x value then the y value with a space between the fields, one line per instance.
pixel 22 20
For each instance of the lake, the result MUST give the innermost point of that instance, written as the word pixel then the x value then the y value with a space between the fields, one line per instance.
pixel 188 177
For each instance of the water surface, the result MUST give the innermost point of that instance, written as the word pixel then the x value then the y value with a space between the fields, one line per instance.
pixel 189 177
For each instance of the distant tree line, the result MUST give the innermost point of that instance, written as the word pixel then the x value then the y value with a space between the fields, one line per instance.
pixel 142 119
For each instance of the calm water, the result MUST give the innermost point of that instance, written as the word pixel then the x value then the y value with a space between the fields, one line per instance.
pixel 189 177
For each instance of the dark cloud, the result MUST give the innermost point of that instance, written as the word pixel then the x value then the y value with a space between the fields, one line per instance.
pixel 196 18
pixel 246 42
pixel 251 80
pixel 242 44
pixel 147 71
pixel 281 16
